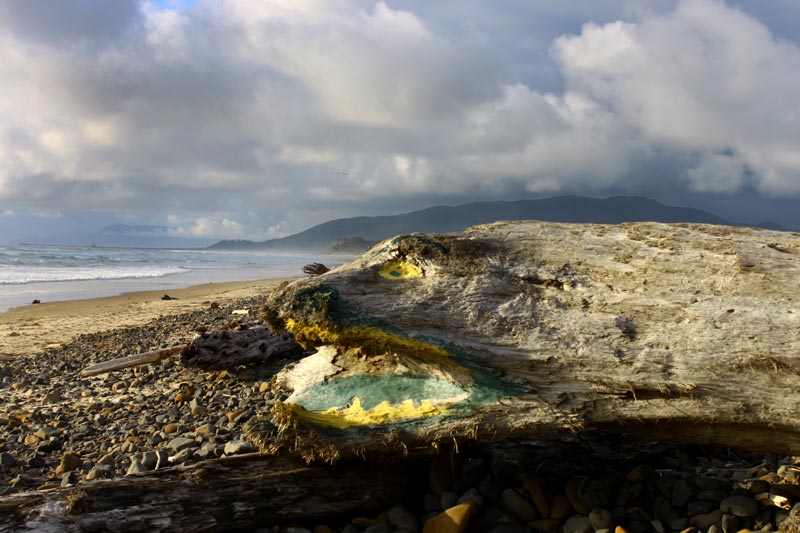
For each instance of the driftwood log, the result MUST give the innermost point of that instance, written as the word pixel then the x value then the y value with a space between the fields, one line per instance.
pixel 680 332
pixel 232 494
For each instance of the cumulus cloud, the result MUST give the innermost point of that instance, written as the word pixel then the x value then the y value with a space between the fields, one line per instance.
pixel 704 78
pixel 261 117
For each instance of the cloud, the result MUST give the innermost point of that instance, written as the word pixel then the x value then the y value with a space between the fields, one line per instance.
pixel 7 213
pixel 704 78
pixel 303 110
pixel 221 226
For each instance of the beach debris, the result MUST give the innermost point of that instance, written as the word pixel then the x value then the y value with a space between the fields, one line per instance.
pixel 131 360
pixel 240 312
pixel 168 297
pixel 215 349
pixel 219 349
pixel 315 269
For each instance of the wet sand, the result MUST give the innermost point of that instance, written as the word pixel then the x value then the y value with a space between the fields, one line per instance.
pixel 30 329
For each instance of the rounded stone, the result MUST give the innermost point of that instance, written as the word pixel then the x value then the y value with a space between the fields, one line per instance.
pixel 448 499
pixel 560 507
pixel 238 447
pixel 519 506
pixel 742 506
pixel 601 519
pixel 472 495
pixel 402 519
pixel 578 524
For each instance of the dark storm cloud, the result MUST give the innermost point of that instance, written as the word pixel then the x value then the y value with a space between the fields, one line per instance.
pixel 69 22
pixel 241 111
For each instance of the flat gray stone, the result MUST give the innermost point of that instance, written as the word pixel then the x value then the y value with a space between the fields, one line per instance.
pixel 238 447
pixel 181 443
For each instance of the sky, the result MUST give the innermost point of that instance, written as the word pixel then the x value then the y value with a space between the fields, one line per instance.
pixel 259 118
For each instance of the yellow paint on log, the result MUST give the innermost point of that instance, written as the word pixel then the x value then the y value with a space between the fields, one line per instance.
pixel 399 269
pixel 371 340
pixel 355 415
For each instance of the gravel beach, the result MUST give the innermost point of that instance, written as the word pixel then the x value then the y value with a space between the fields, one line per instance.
pixel 58 429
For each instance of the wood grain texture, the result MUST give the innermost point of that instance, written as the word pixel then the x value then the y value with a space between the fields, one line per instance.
pixel 233 494
pixel 684 332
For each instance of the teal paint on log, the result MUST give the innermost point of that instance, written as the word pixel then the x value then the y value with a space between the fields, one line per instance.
pixel 488 385
pixel 373 390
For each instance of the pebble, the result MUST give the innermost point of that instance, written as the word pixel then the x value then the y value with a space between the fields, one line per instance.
pixel 69 462
pixel 238 447
pixel 432 502
pixel 682 492
pixel 601 519
pixel 705 521
pixel 181 443
pixel 149 460
pixel 578 524
pixel 453 520
pixel 402 519
pixel 100 472
pixel 448 499
pixel 7 460
pixel 207 430
pixel 519 506
pixel 136 467
pixel 742 506
pixel 560 507
pixel 474 496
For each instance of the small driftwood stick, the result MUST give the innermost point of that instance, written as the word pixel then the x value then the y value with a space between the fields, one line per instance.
pixel 132 360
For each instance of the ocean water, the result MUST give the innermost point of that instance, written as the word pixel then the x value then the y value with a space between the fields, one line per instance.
pixel 52 273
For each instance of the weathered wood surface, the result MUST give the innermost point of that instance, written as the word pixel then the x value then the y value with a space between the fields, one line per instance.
pixel 152 356
pixel 234 494
pixel 682 332
pixel 232 348
pixel 213 349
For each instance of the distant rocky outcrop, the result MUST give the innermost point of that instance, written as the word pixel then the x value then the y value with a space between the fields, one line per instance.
pixel 350 245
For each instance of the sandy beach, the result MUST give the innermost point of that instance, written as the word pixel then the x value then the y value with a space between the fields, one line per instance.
pixel 30 329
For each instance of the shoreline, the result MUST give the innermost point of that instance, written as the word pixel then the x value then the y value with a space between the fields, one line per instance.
pixel 32 328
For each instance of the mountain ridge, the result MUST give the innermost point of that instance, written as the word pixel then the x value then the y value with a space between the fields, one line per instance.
pixel 446 219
